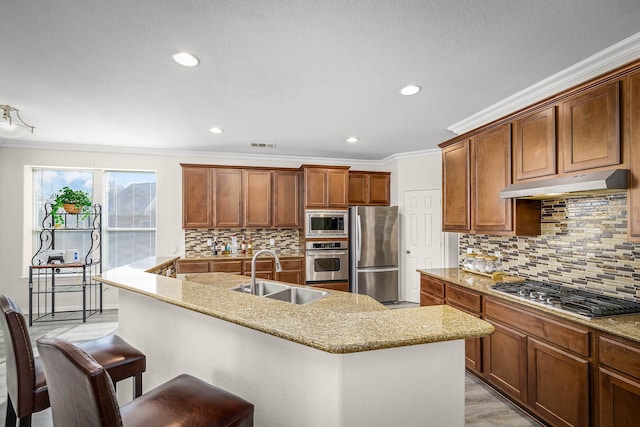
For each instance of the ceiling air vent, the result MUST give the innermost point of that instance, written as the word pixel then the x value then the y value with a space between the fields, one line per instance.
pixel 263 145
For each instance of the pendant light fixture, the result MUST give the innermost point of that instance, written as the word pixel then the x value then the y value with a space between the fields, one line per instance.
pixel 11 124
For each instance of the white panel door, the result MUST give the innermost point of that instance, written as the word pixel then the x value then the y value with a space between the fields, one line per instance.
pixel 422 238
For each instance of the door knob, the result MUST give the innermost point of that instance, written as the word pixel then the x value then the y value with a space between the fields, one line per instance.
pixel 407 251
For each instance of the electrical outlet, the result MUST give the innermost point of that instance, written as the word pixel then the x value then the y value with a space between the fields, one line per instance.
pixel 497 254
pixel 209 242
pixel 272 241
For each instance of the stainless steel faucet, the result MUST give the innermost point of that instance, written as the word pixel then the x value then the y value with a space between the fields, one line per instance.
pixel 254 289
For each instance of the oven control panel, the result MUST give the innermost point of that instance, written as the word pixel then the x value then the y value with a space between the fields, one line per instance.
pixel 326 245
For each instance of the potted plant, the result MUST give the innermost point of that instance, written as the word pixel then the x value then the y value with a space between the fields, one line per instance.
pixel 72 201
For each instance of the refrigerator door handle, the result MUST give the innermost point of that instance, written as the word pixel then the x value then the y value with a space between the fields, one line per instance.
pixel 377 270
pixel 358 238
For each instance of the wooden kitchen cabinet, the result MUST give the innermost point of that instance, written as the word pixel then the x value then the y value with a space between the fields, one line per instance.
pixel 286 199
pixel 264 268
pixel 192 266
pixel 591 129
pixel 535 145
pixel 292 271
pixel 619 381
pixel 369 188
pixel 456 184
pixel 197 198
pixel 257 197
pixel 232 266
pixel 432 291
pixel 326 187
pixel 633 118
pixel 490 173
pixel 229 198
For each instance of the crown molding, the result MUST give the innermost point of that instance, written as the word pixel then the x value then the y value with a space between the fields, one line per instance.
pixel 606 60
pixel 31 145
pixel 410 154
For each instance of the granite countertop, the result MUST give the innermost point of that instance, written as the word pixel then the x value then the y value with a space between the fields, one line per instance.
pixel 339 323
pixel 627 326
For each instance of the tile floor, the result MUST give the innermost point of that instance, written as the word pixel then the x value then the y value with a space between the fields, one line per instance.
pixel 484 407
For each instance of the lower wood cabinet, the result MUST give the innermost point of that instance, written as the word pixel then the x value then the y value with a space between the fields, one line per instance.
pixel 293 268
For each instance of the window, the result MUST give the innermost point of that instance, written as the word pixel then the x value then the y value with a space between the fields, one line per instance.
pixel 128 213
pixel 129 217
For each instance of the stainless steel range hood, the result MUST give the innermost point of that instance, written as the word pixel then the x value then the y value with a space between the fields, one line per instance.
pixel 588 183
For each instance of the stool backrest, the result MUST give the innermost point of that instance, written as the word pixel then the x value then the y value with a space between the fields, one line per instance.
pixel 80 389
pixel 21 369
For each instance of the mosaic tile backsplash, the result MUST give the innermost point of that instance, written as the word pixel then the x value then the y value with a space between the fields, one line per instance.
pixel 287 241
pixel 583 244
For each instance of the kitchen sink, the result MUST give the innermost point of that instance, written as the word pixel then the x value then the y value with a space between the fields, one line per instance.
pixel 282 292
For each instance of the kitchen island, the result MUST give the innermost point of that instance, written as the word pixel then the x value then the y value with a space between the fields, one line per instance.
pixel 344 360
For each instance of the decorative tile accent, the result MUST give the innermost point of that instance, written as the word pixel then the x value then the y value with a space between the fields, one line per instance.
pixel 583 244
pixel 287 241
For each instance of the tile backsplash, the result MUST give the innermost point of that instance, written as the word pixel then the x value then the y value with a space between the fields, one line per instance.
pixel 583 244
pixel 287 241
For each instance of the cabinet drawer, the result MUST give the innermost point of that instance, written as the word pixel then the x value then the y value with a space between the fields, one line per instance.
pixel 261 265
pixel 466 299
pixel 617 355
pixel 291 264
pixel 227 266
pixel 193 267
pixel 428 299
pixel 431 286
pixel 570 337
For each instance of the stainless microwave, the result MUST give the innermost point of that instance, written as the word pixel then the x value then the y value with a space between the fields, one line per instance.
pixel 325 223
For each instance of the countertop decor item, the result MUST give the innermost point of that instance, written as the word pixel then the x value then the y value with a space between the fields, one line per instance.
pixel 72 201
pixel 12 127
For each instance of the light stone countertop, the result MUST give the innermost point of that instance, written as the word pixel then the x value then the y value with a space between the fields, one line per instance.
pixel 626 326
pixel 339 323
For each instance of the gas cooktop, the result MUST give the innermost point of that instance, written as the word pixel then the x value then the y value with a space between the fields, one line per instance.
pixel 585 304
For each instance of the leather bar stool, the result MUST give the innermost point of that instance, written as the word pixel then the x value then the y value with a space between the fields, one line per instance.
pixel 82 395
pixel 26 384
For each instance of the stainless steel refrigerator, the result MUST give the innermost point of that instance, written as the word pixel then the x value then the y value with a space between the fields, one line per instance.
pixel 373 251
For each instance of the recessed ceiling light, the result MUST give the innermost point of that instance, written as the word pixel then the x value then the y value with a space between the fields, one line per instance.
pixel 186 59
pixel 410 90
pixel 352 140
pixel 216 130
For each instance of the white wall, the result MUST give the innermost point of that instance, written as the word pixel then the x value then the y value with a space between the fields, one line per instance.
pixel 421 171
pixel 417 172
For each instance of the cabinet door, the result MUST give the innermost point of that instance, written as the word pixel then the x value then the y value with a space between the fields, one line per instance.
pixel 286 199
pixel 558 385
pixel 455 187
pixel 428 299
pixel 490 173
pixel 358 189
pixel 315 184
pixel 535 145
pixel 505 361
pixel 473 346
pixel 226 266
pixel 619 400
pixel 379 189
pixel 591 129
pixel 264 268
pixel 228 197
pixel 257 198
pixel 292 271
pixel 633 118
pixel 197 198
pixel 192 266
pixel 338 188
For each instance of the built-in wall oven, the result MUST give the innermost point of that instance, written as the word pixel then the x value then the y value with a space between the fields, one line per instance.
pixel 331 224
pixel 327 261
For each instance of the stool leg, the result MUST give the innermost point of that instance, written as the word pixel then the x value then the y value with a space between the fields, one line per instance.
pixel 10 420
pixel 137 385
pixel 25 421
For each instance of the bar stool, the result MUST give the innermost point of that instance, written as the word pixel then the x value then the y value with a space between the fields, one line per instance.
pixel 82 395
pixel 26 385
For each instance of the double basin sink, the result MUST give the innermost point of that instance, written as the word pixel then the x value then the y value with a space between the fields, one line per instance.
pixel 282 292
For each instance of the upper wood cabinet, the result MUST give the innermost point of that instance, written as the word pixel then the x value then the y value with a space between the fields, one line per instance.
pixel 197 198
pixel 591 129
pixel 490 173
pixel 456 211
pixel 228 198
pixel 257 197
pixel 286 199
pixel 240 197
pixel 633 117
pixel 369 188
pixel 534 149
pixel 326 187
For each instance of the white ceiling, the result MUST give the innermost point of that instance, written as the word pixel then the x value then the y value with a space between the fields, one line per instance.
pixel 302 74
